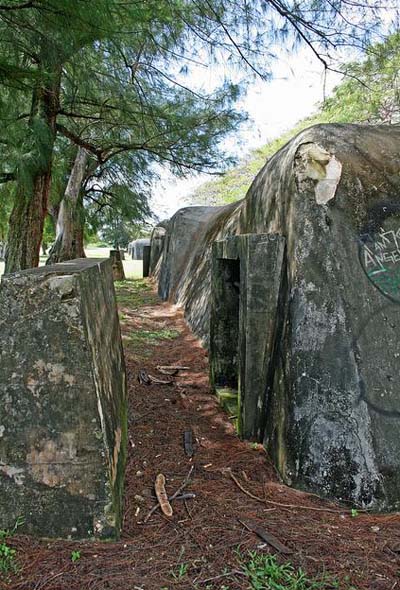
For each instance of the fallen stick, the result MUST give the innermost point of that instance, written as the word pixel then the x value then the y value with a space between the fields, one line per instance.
pixel 174 496
pixel 172 368
pixel 266 536
pixel 170 372
pixel 188 496
pixel 227 575
pixel 288 506
pixel 158 381
pixel 143 377
pixel 188 443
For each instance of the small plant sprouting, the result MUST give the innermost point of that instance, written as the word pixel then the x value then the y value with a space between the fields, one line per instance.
pixel 180 571
pixel 354 512
pixel 7 554
pixel 75 556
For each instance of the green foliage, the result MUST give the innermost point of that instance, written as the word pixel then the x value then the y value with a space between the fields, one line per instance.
pixel 6 195
pixel 152 336
pixel 7 554
pixel 371 91
pixel 265 573
pixel 49 233
pixel 116 202
pixel 75 556
pixel 180 571
pixel 134 293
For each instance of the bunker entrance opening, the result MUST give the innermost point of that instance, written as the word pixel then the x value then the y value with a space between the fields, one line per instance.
pixel 245 287
pixel 226 377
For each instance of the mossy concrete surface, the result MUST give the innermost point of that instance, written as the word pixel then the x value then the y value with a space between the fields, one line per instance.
pixel 63 405
pixel 229 400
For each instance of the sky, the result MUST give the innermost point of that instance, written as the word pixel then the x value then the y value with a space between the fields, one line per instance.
pixel 297 86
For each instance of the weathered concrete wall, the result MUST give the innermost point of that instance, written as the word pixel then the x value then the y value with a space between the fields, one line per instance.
pixel 157 247
pixel 63 413
pixel 117 267
pixel 135 248
pixel 332 420
pixel 186 262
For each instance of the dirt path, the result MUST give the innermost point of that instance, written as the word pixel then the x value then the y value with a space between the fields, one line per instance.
pixel 204 545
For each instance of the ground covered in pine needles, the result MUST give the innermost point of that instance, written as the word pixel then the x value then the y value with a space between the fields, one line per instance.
pixel 235 526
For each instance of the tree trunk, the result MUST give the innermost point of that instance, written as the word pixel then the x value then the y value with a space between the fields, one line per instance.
pixel 28 214
pixel 26 226
pixel 69 231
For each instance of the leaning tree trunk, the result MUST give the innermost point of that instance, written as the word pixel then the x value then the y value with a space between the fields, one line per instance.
pixel 29 211
pixel 69 231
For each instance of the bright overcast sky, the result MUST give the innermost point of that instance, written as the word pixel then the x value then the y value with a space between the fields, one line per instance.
pixel 293 92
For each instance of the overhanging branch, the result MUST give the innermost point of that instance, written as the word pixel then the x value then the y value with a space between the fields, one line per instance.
pixel 81 142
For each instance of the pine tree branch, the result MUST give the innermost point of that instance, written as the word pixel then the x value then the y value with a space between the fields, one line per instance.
pixel 28 4
pixel 79 141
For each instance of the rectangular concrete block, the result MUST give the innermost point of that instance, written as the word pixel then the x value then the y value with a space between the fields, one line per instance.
pixel 63 401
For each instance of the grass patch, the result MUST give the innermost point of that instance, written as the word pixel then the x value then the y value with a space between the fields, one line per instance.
pixel 152 336
pixel 229 400
pixel 264 573
pixel 134 293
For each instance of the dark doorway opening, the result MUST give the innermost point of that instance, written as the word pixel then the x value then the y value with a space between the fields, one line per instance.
pixel 225 333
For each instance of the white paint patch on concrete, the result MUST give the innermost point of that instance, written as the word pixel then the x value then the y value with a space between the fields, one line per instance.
pixel 315 163
pixel 326 188
pixel 64 285
pixel 15 473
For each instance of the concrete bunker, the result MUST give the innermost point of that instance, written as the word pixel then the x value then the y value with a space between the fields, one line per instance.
pixel 323 337
pixel 135 248
pixel 246 279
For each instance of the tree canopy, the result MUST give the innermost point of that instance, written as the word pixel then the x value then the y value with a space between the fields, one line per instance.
pixel 108 77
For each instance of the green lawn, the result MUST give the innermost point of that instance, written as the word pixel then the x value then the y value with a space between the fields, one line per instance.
pixel 133 268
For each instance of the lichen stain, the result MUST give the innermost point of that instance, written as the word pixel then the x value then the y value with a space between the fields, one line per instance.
pixel 50 465
pixel 117 448
pixel 54 372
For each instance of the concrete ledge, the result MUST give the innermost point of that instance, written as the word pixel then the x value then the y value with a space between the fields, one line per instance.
pixel 63 401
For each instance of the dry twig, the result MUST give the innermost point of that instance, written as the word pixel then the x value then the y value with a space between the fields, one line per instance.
pixel 287 506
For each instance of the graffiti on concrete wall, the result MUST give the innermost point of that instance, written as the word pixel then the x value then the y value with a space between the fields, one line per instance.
pixel 379 251
pixel 381 261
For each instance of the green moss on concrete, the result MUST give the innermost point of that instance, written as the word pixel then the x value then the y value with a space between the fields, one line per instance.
pixel 229 400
